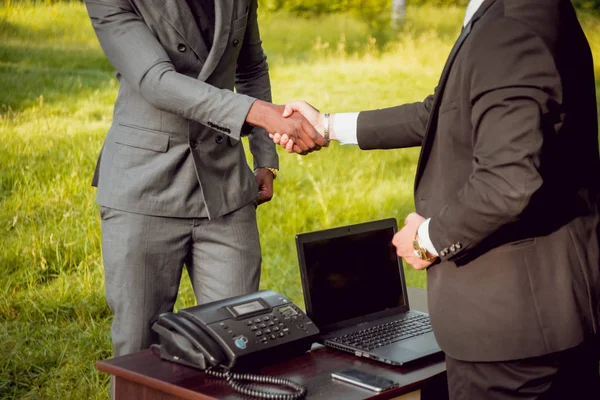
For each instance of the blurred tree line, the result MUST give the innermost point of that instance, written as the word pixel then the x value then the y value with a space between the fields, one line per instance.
pixel 381 16
pixel 316 7
pixel 587 4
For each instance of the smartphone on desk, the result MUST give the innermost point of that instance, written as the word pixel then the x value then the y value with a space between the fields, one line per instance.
pixel 365 380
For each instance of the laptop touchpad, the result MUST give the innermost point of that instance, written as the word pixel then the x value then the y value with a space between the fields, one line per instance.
pixel 420 344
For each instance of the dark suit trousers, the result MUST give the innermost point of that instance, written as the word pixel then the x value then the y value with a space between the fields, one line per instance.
pixel 570 374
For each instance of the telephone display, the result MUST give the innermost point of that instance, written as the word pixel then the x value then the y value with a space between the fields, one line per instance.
pixel 248 308
pixel 241 331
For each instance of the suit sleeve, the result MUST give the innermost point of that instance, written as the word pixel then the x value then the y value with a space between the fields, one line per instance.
pixel 394 127
pixel 515 103
pixel 252 79
pixel 139 58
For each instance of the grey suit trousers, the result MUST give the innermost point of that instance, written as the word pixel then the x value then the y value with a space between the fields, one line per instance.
pixel 144 257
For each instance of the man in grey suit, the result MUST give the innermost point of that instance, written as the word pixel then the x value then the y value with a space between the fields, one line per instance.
pixel 174 186
pixel 507 193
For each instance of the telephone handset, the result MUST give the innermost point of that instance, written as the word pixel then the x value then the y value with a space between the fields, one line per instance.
pixel 198 348
pixel 237 333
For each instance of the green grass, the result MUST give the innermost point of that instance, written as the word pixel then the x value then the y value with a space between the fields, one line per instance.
pixel 56 97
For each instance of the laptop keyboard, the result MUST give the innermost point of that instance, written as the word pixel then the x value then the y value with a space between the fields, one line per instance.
pixel 390 332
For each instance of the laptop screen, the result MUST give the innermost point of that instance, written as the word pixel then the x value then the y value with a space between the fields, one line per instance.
pixel 350 272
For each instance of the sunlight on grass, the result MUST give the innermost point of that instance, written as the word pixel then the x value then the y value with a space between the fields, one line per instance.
pixel 55 108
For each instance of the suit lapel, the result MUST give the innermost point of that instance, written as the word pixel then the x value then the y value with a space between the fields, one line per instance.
pixel 223 13
pixel 180 17
pixel 432 122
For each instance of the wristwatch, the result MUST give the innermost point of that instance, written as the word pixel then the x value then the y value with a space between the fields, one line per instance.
pixel 274 171
pixel 420 251
pixel 326 129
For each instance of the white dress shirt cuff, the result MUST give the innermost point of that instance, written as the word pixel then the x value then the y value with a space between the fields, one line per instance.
pixel 344 126
pixel 424 240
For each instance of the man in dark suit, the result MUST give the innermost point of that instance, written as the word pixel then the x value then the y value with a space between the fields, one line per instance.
pixel 507 195
pixel 174 186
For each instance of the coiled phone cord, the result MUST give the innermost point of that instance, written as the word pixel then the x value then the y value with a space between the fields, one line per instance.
pixel 232 379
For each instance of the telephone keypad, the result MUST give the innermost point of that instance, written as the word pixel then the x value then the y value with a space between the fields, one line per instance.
pixel 270 328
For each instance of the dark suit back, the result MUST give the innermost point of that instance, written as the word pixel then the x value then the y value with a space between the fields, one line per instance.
pixel 509 177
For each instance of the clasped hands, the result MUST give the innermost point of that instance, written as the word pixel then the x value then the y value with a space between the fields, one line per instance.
pixel 301 130
pixel 312 115
pixel 403 241
pixel 294 126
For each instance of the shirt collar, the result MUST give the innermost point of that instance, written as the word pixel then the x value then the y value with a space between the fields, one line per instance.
pixel 471 10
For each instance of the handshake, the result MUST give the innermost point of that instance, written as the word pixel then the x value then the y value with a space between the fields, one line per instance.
pixel 297 127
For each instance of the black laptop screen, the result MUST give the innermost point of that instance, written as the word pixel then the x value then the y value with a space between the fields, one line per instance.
pixel 352 276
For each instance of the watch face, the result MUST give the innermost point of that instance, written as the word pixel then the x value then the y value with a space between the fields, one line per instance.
pixel 416 245
pixel 418 251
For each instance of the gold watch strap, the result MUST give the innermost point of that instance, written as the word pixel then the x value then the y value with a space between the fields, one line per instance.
pixel 420 251
pixel 326 129
pixel 274 171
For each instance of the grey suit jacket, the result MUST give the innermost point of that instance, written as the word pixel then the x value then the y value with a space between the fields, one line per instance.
pixel 508 173
pixel 174 146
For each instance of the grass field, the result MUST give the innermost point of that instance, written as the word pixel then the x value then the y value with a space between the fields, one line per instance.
pixel 56 96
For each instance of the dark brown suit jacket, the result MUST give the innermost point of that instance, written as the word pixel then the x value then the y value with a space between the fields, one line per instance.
pixel 509 173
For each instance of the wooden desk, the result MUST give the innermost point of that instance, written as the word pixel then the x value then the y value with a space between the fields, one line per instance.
pixel 144 376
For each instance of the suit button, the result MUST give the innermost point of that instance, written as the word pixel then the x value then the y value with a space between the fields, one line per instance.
pixel 219 139
pixel 236 42
pixel 194 144
pixel 181 47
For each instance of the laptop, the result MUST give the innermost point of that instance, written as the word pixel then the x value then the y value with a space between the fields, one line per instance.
pixel 355 292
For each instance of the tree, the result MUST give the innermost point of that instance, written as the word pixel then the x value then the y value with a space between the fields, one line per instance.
pixel 398 12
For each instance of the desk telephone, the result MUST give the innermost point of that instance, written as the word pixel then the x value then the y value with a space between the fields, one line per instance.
pixel 238 333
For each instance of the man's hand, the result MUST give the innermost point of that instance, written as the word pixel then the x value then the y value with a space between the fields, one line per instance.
pixel 296 127
pixel 309 112
pixel 264 180
pixel 403 241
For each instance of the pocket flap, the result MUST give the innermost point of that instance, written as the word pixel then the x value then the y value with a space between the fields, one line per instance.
pixel 240 22
pixel 142 138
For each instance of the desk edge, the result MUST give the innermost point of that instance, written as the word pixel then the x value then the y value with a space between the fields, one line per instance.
pixel 121 373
